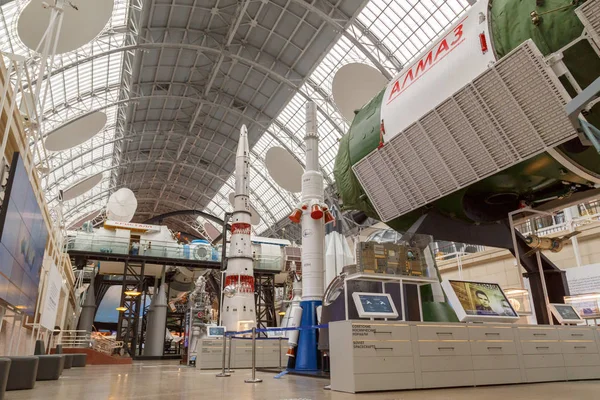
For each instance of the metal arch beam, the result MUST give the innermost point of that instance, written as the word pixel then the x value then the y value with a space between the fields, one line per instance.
pixel 105 193
pixel 274 121
pixel 359 26
pixel 224 180
pixel 234 111
pixel 200 213
pixel 103 144
pixel 331 21
pixel 197 100
pixel 224 53
pixel 176 162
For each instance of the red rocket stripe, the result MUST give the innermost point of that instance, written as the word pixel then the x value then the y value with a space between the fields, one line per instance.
pixel 241 228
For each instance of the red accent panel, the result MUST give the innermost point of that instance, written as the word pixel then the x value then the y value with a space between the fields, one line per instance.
pixel 483 42
pixel 241 228
pixel 245 282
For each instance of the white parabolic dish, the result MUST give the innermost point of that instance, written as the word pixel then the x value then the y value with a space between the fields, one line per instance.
pixel 122 205
pixel 81 186
pixel 76 132
pixel 354 85
pixel 285 170
pixel 254 217
pixel 78 28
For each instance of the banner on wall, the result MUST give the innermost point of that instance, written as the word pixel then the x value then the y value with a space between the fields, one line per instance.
pixel 51 298
pixel 584 279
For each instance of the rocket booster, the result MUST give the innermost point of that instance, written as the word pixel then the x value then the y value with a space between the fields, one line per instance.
pixel 237 312
pixel 312 213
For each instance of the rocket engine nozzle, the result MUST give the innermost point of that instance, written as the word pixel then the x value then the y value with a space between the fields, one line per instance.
pixel 316 211
pixel 328 217
pixel 296 216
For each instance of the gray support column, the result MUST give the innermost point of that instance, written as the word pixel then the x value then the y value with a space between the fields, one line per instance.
pixel 155 331
pixel 88 310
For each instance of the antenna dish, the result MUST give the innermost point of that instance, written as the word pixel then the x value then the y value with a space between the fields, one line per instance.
pixel 76 132
pixel 354 85
pixel 285 170
pixel 122 205
pixel 254 217
pixel 81 186
pixel 80 25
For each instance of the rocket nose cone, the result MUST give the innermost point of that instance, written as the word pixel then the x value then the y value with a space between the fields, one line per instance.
pixel 242 149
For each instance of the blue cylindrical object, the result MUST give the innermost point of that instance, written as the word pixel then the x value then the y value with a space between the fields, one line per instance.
pixel 307 352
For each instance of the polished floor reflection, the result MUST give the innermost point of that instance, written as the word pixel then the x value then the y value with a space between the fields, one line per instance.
pixel 167 380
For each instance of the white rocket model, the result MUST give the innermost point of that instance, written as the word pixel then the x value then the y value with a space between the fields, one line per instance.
pixel 312 213
pixel 237 310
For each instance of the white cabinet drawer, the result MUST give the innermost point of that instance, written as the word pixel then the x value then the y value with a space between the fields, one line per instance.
pixel 546 374
pixel 443 332
pixel 583 347
pixel 493 348
pixel 448 379
pixel 498 377
pixel 381 348
pixel 382 365
pixel 538 333
pixel 449 348
pixel 377 382
pixel 490 333
pixel 541 347
pixel 495 362
pixel 543 361
pixel 446 363
pixel 212 350
pixel 576 373
pixel 380 331
pixel 576 334
pixel 582 360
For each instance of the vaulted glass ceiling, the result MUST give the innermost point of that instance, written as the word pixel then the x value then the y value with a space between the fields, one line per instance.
pixel 385 34
pixel 403 29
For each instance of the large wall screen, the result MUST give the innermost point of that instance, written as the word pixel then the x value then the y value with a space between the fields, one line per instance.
pixel 23 237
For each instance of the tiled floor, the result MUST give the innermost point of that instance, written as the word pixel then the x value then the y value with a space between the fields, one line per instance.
pixel 166 380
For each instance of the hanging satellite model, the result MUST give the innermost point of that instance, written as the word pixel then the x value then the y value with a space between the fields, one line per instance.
pixel 237 308
pixel 77 22
pixel 476 126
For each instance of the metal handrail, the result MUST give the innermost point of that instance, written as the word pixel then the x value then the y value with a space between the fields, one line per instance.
pixel 161 249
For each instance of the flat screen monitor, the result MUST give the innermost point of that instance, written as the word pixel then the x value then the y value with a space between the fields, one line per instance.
pixel 23 237
pixel 479 301
pixel 374 305
pixel 215 331
pixel 565 314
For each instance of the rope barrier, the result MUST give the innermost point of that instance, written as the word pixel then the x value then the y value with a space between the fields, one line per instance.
pixel 254 338
pixel 264 330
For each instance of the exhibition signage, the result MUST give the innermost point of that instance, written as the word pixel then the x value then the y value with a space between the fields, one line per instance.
pixel 584 279
pixel 131 225
pixel 51 298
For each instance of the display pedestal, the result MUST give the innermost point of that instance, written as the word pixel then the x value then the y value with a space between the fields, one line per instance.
pixel 307 354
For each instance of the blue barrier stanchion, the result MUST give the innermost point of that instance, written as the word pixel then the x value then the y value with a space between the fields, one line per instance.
pixel 254 379
pixel 229 370
pixel 224 374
